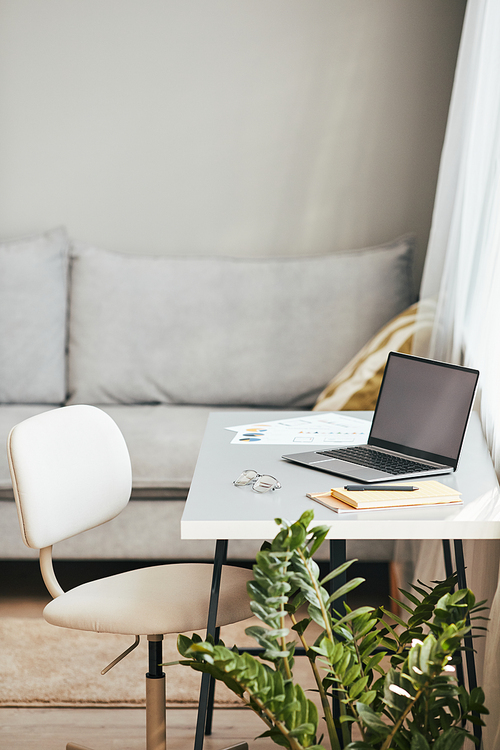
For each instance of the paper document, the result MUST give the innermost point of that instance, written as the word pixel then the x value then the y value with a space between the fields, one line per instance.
pixel 323 428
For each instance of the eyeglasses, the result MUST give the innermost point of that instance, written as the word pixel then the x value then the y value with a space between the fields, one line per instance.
pixel 260 482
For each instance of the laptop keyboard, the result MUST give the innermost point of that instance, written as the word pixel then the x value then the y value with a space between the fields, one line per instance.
pixel 376 460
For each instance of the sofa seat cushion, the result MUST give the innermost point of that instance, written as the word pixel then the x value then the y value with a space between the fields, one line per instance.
pixel 225 331
pixel 163 441
pixel 33 312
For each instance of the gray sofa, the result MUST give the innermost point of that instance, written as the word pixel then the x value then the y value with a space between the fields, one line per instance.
pixel 158 342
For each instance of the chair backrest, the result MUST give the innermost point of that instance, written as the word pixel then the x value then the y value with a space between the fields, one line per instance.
pixel 70 470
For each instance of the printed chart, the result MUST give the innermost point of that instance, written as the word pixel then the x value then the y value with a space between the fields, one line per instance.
pixel 317 429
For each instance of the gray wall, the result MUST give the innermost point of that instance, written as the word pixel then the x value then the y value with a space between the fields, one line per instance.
pixel 241 127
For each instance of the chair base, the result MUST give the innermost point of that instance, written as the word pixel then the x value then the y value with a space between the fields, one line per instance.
pixel 156 703
pixel 156 700
pixel 72 746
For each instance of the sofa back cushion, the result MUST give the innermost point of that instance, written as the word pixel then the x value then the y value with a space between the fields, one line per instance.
pixel 33 307
pixel 225 331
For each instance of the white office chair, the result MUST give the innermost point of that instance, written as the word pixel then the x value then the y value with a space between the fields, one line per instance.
pixel 71 471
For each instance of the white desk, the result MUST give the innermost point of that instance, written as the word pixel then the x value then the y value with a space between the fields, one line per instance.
pixel 216 509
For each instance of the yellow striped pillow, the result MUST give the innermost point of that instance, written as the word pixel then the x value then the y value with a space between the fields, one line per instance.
pixel 357 385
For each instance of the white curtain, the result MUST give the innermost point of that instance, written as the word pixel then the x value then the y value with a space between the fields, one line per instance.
pixel 462 274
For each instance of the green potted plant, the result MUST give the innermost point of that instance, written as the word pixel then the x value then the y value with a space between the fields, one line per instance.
pixel 394 680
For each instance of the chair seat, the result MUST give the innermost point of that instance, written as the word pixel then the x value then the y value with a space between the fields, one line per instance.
pixel 156 600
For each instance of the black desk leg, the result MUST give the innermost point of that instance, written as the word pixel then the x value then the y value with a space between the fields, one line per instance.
pixel 468 641
pixel 462 584
pixel 205 706
pixel 211 694
pixel 337 557
pixel 448 567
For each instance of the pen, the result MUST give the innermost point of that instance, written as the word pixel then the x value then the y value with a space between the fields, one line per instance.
pixel 385 487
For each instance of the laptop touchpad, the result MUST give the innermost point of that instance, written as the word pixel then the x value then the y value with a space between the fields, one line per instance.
pixel 345 468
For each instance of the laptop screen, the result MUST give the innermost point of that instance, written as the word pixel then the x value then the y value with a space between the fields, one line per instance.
pixel 423 408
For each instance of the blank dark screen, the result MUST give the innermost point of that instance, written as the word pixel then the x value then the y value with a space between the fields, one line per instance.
pixel 424 406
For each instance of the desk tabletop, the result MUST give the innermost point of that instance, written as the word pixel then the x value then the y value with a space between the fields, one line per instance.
pixel 216 509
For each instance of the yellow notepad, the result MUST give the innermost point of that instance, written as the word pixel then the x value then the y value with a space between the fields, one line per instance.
pixel 429 492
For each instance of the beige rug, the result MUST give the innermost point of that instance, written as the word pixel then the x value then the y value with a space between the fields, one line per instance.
pixel 44 665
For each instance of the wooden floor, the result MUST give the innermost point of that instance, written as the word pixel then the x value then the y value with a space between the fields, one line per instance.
pixel 121 728
pixel 117 728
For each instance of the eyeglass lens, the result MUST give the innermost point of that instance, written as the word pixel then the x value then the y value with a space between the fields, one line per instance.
pixel 265 483
pixel 245 478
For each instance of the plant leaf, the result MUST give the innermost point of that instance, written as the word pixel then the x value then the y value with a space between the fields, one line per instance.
pixel 337 572
pixel 343 590
pixel 418 742
pixel 452 739
pixel 372 719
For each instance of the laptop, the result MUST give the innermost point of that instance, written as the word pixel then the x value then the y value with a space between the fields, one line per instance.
pixel 419 424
